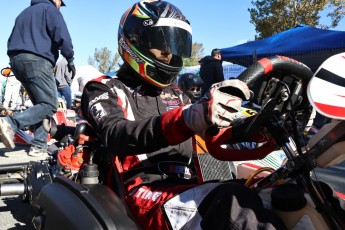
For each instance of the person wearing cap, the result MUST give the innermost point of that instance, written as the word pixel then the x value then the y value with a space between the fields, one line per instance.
pixel 211 70
pixel 39 33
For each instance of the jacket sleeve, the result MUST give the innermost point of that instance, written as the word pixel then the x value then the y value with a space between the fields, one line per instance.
pixel 103 110
pixel 59 34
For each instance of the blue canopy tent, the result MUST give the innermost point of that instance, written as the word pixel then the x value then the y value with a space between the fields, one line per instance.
pixel 306 44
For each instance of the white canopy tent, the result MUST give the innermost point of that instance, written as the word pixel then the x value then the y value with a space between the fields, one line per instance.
pixel 230 70
pixel 83 75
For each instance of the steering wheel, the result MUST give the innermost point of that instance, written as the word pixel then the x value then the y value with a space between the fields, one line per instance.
pixel 280 78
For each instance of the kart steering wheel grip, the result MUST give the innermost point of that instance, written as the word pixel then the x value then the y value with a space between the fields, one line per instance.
pixel 253 76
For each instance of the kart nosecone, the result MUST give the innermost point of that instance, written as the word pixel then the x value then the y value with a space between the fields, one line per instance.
pixel 330 80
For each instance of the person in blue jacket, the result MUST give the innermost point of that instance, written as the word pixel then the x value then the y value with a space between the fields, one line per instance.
pixel 38 35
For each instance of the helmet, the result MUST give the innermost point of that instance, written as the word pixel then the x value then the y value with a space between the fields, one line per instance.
pixel 191 84
pixel 154 24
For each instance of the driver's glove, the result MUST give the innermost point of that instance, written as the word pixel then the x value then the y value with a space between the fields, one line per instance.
pixel 219 107
pixel 71 68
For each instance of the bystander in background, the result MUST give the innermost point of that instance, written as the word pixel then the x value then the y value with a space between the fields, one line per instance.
pixel 11 94
pixel 211 69
pixel 64 81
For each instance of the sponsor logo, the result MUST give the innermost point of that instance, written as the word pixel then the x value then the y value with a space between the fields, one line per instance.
pixel 96 109
pixel 172 101
pixel 148 22
pixel 130 51
pixel 168 96
pixel 102 96
pixel 146 194
pixel 98 112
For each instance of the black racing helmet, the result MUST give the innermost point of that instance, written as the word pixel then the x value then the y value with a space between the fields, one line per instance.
pixel 191 84
pixel 154 24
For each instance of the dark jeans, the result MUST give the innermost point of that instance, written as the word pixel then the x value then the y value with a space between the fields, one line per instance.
pixel 66 93
pixel 37 77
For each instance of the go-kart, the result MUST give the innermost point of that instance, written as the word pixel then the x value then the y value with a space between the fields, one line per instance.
pixel 80 187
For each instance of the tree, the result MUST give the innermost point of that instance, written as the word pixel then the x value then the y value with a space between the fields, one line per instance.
pixel 197 54
pixel 103 60
pixel 274 16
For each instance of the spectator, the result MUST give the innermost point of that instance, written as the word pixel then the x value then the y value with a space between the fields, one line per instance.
pixel 64 81
pixel 32 64
pixel 211 69
pixel 11 94
pixel 139 117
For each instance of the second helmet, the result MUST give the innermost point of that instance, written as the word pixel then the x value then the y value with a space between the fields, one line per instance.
pixel 191 84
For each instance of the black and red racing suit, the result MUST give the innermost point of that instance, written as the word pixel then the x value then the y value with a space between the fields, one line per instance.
pixel 149 136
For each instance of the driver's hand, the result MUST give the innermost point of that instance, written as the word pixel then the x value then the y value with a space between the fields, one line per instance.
pixel 219 107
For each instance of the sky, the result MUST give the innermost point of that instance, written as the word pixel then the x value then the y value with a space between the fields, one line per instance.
pixel 94 24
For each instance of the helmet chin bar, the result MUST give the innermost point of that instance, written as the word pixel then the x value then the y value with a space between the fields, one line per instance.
pixel 167 69
pixel 163 74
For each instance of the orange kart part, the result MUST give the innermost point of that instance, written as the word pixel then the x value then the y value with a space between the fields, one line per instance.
pixel 69 159
pixel 72 159
pixel 214 145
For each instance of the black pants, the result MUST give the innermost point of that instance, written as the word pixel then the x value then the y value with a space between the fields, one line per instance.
pixel 233 206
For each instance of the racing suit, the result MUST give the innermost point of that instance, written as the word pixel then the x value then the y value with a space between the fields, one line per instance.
pixel 147 133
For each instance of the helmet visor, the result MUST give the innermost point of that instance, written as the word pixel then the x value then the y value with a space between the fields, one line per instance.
pixel 171 35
